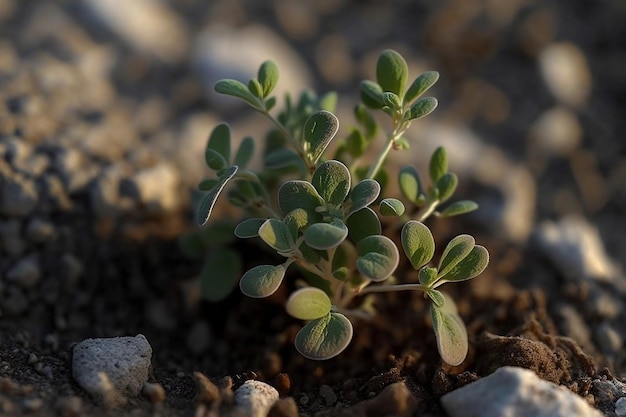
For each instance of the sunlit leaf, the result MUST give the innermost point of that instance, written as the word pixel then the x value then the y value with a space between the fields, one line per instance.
pixel 410 183
pixel 308 303
pixel 458 208
pixel 392 100
pixel 438 164
pixel 332 181
pixel 362 195
pixel 208 202
pixel 418 243
pixel 427 276
pixel 268 77
pixel 220 274
pixel 391 207
pixel 392 72
pixel 319 129
pixel 420 85
pixel 236 89
pixel 446 185
pixel 472 265
pixel 456 250
pixel 244 152
pixel 326 235
pixel 276 234
pixel 378 257
pixel 262 281
pixel 325 337
pixel 421 108
pixel 249 228
pixel 450 332
pixel 437 297
pixel 299 194
pixel 363 223
pixel 255 88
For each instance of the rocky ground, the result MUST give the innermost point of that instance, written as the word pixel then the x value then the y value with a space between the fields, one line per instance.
pixel 104 114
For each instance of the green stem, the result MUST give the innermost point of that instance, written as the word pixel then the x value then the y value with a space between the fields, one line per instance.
pixel 426 211
pixel 399 127
pixel 392 288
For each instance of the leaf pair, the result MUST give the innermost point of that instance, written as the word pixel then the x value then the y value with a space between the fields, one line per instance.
pixel 257 91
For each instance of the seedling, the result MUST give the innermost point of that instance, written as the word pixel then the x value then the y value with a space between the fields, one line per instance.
pixel 326 217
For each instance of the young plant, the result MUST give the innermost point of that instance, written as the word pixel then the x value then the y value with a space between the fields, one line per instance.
pixel 327 218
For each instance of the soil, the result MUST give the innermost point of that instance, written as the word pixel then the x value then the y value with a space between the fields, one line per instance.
pixel 132 277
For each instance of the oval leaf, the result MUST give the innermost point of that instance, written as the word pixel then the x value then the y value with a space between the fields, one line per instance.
pixel 371 94
pixel 325 337
pixel 391 207
pixel 410 184
pixel 456 250
pixel 421 108
pixel 446 185
pixel 319 129
pixel 298 220
pixel 308 304
pixel 418 243
pixel 208 184
pixel 208 202
pixel 214 160
pixel 450 332
pixel 362 195
pixel 235 88
pixel 458 208
pixel 427 276
pixel 249 228
pixel 420 85
pixel 437 297
pixel 262 281
pixel 392 72
pixel 363 223
pixel 281 158
pixel 220 274
pixel 378 257
pixel 268 77
pixel 472 265
pixel 326 235
pixel 276 234
pixel 438 164
pixel 299 194
pixel 332 181
pixel 244 152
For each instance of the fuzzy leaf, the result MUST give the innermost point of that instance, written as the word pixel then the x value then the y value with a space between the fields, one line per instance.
pixel 418 243
pixel 249 228
pixel 419 86
pixel 309 254
pixel 446 186
pixel 298 220
pixel 325 337
pixel 363 223
pixel 208 202
pixel 262 280
pixel 219 140
pixel 308 303
pixel 356 143
pixel 450 332
pixel 392 72
pixel 324 236
pixel 378 257
pixel 332 181
pixel 438 164
pixel 276 234
pixel 244 152
pixel 456 250
pixel 458 208
pixel 427 276
pixel 421 108
pixel 437 297
pixel 319 129
pixel 362 195
pixel 255 88
pixel 410 183
pixel 469 267
pixel 208 184
pixel 391 100
pixel 219 274
pixel 366 119
pixel 268 77
pixel 214 160
pixel 371 94
pixel 236 89
pixel 299 194
pixel 391 207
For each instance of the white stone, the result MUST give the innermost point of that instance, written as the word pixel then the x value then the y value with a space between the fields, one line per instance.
pixel 556 132
pixel 255 398
pixel 112 369
pixel 566 73
pixel 620 407
pixel 157 188
pixel 515 392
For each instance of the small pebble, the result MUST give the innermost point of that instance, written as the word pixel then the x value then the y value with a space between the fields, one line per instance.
pixel 255 398
pixel 620 407
pixel 284 407
pixel 326 392
pixel 154 392
pixel 206 391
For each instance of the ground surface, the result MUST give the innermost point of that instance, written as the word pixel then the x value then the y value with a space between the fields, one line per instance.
pixel 85 108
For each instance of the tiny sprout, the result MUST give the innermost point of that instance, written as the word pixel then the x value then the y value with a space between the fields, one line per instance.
pixel 322 211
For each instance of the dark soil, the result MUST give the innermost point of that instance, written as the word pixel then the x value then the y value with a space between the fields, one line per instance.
pixel 134 279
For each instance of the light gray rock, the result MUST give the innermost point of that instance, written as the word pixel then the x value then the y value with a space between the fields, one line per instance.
pixel 112 369
pixel 515 392
pixel 105 191
pixel 255 398
pixel 620 407
pixel 556 132
pixel 566 72
pixel 156 188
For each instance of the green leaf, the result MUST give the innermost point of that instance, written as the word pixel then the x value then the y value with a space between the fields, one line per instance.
pixel 236 89
pixel 458 208
pixel 421 108
pixel 391 100
pixel 450 332
pixel 192 245
pixel 319 129
pixel 219 274
pixel 366 119
pixel 446 186
pixel 249 228
pixel 277 235
pixel 332 181
pixel 208 202
pixel 262 281
pixel 472 265
pixel 325 337
pixel 270 103
pixel 392 72
pixel 363 223
pixel 281 158
pixel 208 184
pixel 391 207
pixel 214 160
pixel 418 243
pixel 255 88
pixel 268 77
pixel 378 257
pixel 420 85
pixel 438 165
pixel 362 195
pixel 328 101
pixel 308 304
pixel 341 273
pixel 219 140
pixel 244 152
pixel 218 233
pixel 456 250
pixel 371 94
pixel 324 236
pixel 299 194
pixel 309 254
pixel 410 183
pixel 298 220
pixel 356 143
pixel 436 296
pixel 427 276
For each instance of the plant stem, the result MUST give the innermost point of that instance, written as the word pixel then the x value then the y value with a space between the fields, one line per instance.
pixel 290 138
pixel 392 288
pixel 371 173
